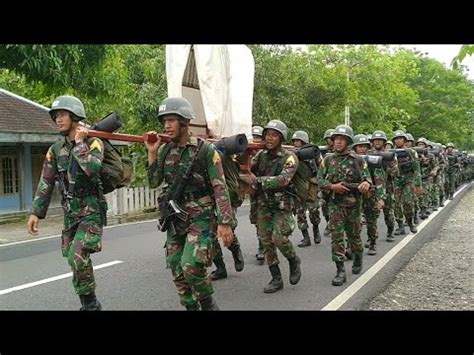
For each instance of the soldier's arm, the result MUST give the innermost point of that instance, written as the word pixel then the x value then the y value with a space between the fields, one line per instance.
pixel 45 187
pixel 224 210
pixel 89 156
pixel 379 183
pixel 155 176
pixel 392 169
pixel 324 183
pixel 416 163
pixel 282 180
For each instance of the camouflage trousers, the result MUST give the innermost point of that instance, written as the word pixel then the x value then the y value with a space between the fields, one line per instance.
pixel 435 196
pixel 425 197
pixel 81 237
pixel 404 190
pixel 189 254
pixel 300 211
pixel 345 220
pixel 371 213
pixel 388 209
pixel 451 181
pixel 274 228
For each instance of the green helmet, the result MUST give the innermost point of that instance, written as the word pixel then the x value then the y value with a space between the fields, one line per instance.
pixel 343 130
pixel 410 137
pixel 360 139
pixel 257 131
pixel 279 126
pixel 429 143
pixel 422 140
pixel 379 135
pixel 175 106
pixel 328 133
pixel 389 142
pixel 398 134
pixel 302 136
pixel 68 103
pixel 450 145
pixel 369 136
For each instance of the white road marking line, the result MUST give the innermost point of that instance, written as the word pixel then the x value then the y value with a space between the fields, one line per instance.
pixel 55 278
pixel 345 295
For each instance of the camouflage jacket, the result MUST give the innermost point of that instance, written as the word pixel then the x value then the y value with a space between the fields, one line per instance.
pixel 274 173
pixel 341 167
pixel 207 182
pixel 428 165
pixel 86 194
pixel 409 167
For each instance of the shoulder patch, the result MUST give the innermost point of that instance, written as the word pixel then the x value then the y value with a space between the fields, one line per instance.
pixel 291 160
pixel 96 145
pixel 216 158
pixel 49 156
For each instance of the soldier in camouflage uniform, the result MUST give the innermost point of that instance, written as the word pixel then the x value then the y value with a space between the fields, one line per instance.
pixel 75 162
pixel 428 170
pixel 306 187
pixel 273 168
pixel 345 176
pixel 190 245
pixel 373 200
pixel 230 163
pixel 452 170
pixel 390 170
pixel 324 195
pixel 441 179
pixel 434 193
pixel 257 138
pixel 406 184
pixel 388 145
pixel 410 143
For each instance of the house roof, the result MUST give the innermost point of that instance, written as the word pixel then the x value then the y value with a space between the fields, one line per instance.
pixel 18 114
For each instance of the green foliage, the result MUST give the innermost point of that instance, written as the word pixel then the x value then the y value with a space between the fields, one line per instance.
pixel 385 89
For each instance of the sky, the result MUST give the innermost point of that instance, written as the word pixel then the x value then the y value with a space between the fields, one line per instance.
pixel 444 53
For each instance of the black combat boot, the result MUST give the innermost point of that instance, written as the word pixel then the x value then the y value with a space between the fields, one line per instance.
pixel 209 304
pixel 326 231
pixel 428 212
pixel 441 201
pixel 390 237
pixel 412 225
pixel 193 307
pixel 238 258
pixel 434 206
pixel 451 196
pixel 90 302
pixel 317 236
pixel 367 243
pixel 423 214
pixel 295 270
pixel 306 242
pixel 357 264
pixel 372 248
pixel 260 256
pixel 220 272
pixel 341 274
pixel 415 218
pixel 401 229
pixel 276 283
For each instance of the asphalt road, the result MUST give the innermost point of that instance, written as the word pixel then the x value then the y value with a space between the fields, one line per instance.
pixel 142 282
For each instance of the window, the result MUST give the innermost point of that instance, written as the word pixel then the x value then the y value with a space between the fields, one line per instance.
pixel 9 183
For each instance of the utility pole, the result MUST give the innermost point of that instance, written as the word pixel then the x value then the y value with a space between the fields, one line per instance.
pixel 347 114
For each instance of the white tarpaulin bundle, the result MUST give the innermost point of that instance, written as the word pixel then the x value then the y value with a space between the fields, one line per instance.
pixel 218 81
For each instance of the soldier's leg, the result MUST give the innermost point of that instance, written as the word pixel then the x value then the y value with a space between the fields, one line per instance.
pixel 353 227
pixel 325 210
pixel 236 251
pixel 337 227
pixel 300 212
pixel 389 216
pixel 253 220
pixel 221 271
pixel 372 230
pixel 87 240
pixel 365 213
pixel 265 232
pixel 398 209
pixel 408 198
pixel 197 256
pixel 434 195
pixel 284 224
pixel 313 208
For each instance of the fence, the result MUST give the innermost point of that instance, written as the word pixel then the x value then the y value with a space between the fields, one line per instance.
pixel 128 201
